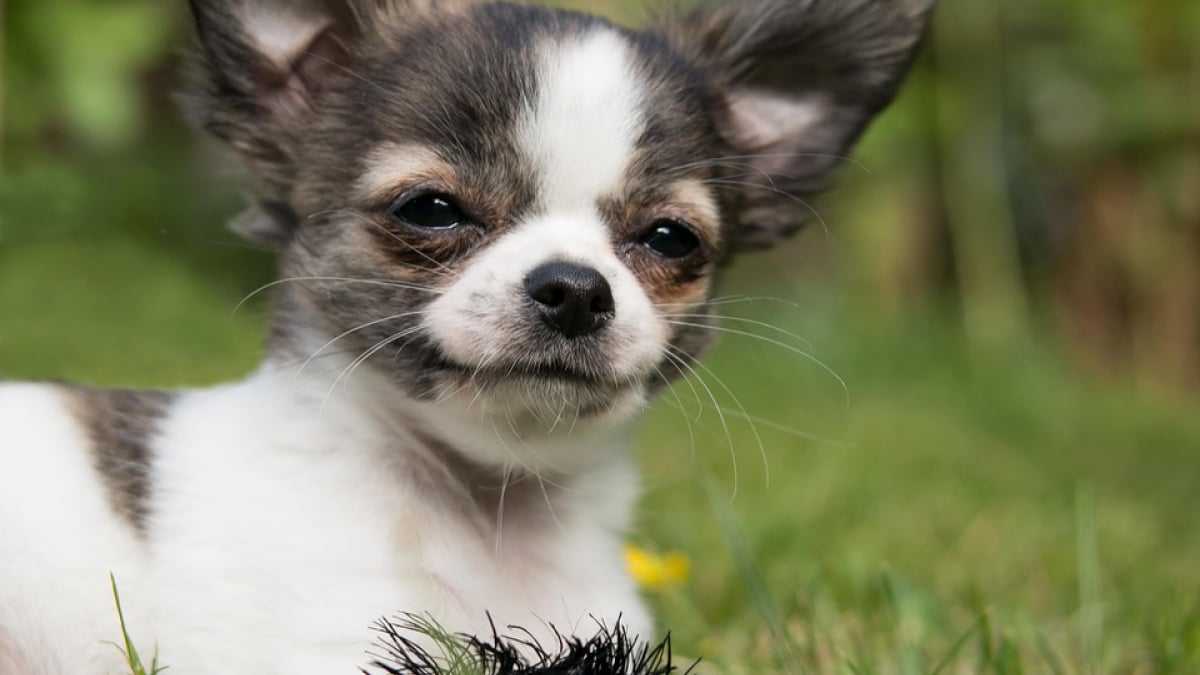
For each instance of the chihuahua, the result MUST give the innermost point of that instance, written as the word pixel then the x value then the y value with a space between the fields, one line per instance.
pixel 486 215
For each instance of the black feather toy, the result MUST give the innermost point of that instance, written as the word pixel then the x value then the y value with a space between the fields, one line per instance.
pixel 610 652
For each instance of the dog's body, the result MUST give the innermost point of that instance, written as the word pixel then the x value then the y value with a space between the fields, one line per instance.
pixel 254 555
pixel 498 228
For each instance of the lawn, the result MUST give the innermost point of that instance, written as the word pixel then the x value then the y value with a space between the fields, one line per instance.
pixel 965 513
pixel 928 507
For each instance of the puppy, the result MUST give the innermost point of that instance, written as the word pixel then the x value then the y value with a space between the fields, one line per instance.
pixel 485 214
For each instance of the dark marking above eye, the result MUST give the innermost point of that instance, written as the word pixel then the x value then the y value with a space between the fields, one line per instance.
pixel 430 211
pixel 671 239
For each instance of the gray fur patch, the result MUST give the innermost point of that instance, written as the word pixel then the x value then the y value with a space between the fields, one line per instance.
pixel 121 424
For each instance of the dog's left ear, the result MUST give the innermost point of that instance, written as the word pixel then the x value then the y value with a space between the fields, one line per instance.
pixel 797 83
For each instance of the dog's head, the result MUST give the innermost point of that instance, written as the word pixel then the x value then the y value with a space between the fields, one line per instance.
pixel 520 208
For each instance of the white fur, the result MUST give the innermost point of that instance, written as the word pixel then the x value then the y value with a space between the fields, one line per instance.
pixel 284 524
pixel 583 127
pixel 58 537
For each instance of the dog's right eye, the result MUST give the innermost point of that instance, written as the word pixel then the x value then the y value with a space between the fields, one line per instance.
pixel 429 211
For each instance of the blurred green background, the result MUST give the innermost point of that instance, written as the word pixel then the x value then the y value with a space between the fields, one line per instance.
pixel 1008 285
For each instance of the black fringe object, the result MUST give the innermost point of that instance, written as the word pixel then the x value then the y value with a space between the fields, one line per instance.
pixel 610 652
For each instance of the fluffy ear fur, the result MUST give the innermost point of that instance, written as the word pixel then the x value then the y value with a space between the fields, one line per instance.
pixel 800 80
pixel 262 66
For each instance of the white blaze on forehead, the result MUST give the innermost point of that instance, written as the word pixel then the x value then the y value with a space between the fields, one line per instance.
pixel 580 133
pixel 585 121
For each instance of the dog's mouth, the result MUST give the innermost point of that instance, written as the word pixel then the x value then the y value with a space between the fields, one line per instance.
pixel 548 372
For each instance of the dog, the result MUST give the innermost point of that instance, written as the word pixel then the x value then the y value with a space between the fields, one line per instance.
pixel 485 216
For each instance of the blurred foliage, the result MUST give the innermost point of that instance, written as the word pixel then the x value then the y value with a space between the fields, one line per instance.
pixel 76 72
pixel 1008 277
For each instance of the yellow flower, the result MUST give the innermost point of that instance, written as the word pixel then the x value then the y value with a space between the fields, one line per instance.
pixel 657 572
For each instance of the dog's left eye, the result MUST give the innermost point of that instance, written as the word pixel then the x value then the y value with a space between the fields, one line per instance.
pixel 429 211
pixel 671 239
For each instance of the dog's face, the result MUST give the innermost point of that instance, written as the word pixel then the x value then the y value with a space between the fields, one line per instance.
pixel 522 209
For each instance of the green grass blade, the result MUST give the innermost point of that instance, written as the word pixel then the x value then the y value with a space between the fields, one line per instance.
pixel 1091 602
pixel 950 655
pixel 760 598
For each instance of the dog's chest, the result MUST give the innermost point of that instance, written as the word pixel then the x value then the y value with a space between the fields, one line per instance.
pixel 305 542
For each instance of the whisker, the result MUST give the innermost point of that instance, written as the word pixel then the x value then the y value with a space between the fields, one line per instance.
pixel 512 425
pixel 771 188
pixel 755 171
pixel 730 300
pixel 559 417
pixel 348 280
pixel 292 363
pixel 414 330
pixel 670 354
pixel 478 391
pixel 542 480
pixel 789 430
pixel 549 502
pixel 504 444
pixel 762 448
pixel 366 325
pixel 753 322
pixel 687 420
pixel 500 509
pixel 354 214
pixel 695 393
pixel 776 155
pixel 348 371
pixel 783 345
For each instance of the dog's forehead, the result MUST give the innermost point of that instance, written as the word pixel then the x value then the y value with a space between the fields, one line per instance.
pixel 558 108
pixel 581 130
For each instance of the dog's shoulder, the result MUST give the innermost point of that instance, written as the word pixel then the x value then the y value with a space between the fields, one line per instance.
pixel 74 431
pixel 120 426
pixel 61 534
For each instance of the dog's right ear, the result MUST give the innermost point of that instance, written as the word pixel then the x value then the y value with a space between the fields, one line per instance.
pixel 262 68
pixel 262 63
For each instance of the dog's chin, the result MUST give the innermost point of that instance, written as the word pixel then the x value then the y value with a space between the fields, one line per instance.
pixel 552 392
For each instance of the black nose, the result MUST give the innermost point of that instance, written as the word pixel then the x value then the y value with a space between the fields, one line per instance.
pixel 573 300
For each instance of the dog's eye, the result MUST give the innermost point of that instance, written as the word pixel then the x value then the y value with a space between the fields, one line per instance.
pixel 429 211
pixel 671 239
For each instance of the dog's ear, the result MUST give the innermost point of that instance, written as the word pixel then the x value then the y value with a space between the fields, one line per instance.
pixel 797 83
pixel 262 67
pixel 262 63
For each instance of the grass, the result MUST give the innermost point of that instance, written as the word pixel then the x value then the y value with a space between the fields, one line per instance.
pixel 970 513
pixel 132 659
pixel 951 511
